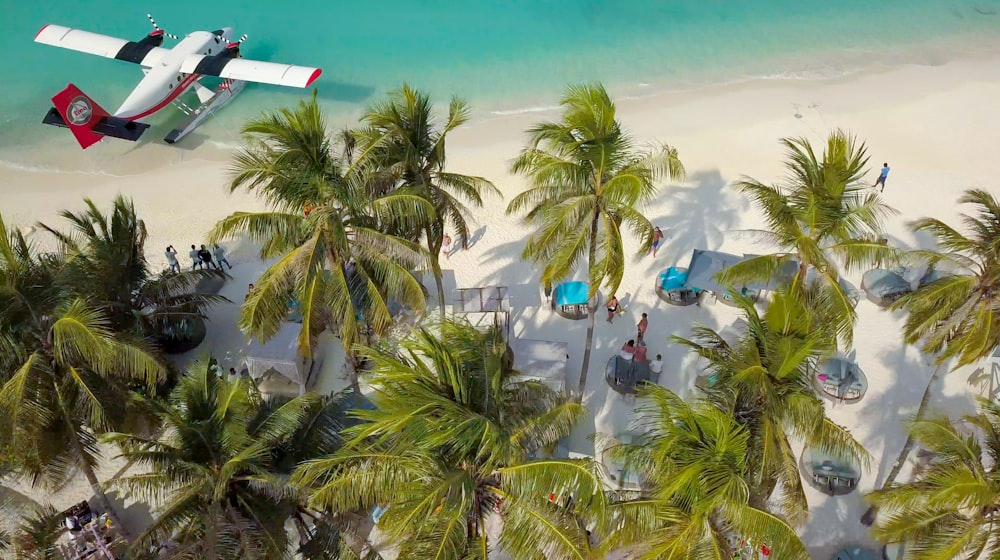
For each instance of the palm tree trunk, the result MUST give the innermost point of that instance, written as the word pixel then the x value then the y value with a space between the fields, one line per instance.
pixel 592 310
pixel 88 471
pixel 434 253
pixel 868 518
pixel 351 362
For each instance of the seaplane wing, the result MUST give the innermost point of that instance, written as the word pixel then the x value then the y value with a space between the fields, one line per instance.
pixel 250 70
pixel 140 52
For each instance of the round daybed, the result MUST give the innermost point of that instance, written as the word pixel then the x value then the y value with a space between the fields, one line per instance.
pixel 829 474
pixel 670 287
pixel 841 380
pixel 629 372
pixel 883 287
pixel 569 300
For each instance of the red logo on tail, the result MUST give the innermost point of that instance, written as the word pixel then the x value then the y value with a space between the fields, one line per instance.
pixel 81 114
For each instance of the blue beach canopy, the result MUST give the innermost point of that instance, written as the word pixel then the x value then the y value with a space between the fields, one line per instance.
pixel 673 279
pixel 571 293
pixel 884 282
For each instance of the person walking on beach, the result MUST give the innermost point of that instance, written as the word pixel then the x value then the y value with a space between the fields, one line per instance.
pixel 172 259
pixel 657 238
pixel 220 256
pixel 643 323
pixel 612 309
pixel 881 177
pixel 206 258
pixel 195 259
pixel 446 246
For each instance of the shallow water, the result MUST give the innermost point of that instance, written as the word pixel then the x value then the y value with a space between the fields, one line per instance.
pixel 503 56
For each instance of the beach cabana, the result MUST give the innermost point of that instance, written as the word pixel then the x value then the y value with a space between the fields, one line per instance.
pixel 629 372
pixel 670 287
pixel 841 379
pixel 279 356
pixel 570 300
pixel 706 265
pixel 831 475
pixel 884 286
pixel 542 360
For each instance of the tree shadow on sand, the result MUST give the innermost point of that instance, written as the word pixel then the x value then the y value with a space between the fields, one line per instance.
pixel 700 216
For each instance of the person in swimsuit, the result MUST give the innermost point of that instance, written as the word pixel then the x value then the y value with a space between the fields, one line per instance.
pixel 657 238
pixel 881 177
pixel 612 308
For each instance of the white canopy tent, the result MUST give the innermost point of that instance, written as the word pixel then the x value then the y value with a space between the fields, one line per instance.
pixel 278 355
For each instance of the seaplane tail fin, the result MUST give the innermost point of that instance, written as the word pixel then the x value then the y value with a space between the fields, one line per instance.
pixel 87 120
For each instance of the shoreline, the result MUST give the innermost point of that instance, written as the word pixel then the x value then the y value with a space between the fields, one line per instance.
pixel 933 124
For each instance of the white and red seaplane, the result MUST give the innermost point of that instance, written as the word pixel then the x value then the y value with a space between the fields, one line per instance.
pixel 169 73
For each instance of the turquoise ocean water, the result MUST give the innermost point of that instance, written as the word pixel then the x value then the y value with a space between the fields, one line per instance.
pixel 503 56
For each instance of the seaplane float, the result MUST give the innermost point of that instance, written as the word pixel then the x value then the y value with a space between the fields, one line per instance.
pixel 169 72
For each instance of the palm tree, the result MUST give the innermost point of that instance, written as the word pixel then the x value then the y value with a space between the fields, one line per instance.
pixel 694 461
pixel 764 380
pixel 105 263
pixel 455 438
pixel 949 509
pixel 956 315
pixel 219 472
pixel 587 178
pixel 70 387
pixel 33 531
pixel 820 213
pixel 323 227
pixel 400 134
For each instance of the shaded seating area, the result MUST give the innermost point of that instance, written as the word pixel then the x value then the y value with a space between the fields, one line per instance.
pixel 670 287
pixel 883 287
pixel 90 536
pixel 841 379
pixel 269 362
pixel 570 300
pixel 831 475
pixel 624 375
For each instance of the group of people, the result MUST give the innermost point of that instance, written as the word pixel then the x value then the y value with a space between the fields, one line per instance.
pixel 635 349
pixel 200 258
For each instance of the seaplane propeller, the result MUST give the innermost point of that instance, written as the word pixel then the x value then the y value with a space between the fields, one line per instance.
pixel 157 27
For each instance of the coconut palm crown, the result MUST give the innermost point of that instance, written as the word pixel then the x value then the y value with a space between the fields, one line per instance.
pixel 323 228
pixel 956 316
pixel 820 216
pixel 764 380
pixel 697 501
pixel 402 136
pixel 585 179
pixel 453 451
pixel 948 511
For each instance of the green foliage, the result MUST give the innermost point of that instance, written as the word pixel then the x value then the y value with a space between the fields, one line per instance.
pixel 71 386
pixel 324 228
pixel 956 315
pixel 820 215
pixel 401 138
pixel 586 178
pixel 948 511
pixel 103 261
pixel 219 471
pixel 695 462
pixel 454 439
pixel 764 381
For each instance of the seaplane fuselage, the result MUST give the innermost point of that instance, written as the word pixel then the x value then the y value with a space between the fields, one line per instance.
pixel 164 80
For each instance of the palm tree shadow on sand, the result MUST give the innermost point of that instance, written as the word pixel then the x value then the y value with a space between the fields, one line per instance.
pixel 700 216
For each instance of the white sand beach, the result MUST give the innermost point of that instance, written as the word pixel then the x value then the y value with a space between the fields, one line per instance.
pixel 934 125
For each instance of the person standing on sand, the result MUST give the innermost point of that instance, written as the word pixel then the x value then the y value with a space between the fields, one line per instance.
pixel 881 177
pixel 195 259
pixel 446 246
pixel 656 366
pixel 657 238
pixel 172 259
pixel 612 309
pixel 640 352
pixel 220 256
pixel 643 323
pixel 206 258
